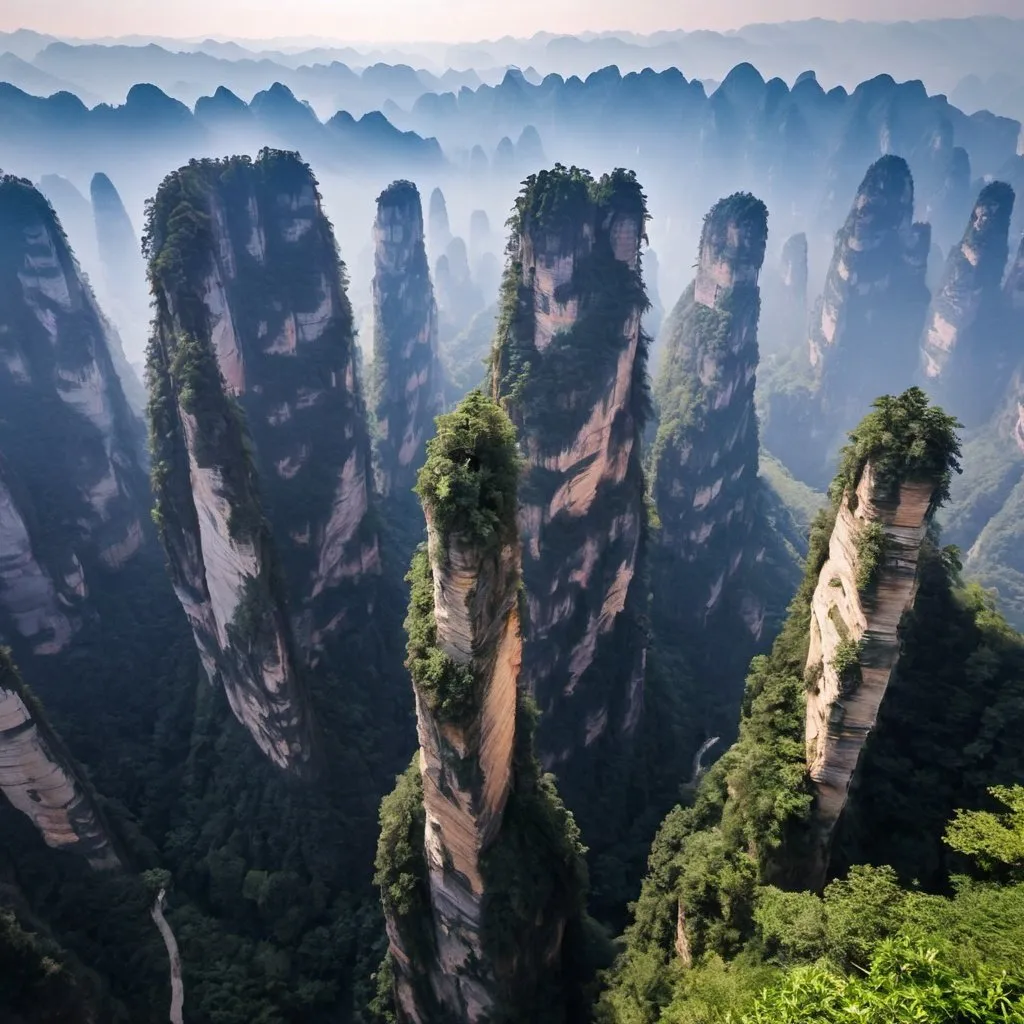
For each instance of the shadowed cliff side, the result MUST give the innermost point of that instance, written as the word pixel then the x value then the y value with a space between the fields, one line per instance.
pixel 719 565
pixel 569 365
pixel 407 377
pixel 71 483
pixel 479 862
pixel 260 444
pixel 965 360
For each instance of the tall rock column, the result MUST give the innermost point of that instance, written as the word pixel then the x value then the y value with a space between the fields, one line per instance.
pixel 1013 308
pixel 866 323
pixel 892 480
pixel 569 366
pixel 255 405
pixel 460 833
pixel 964 361
pixel 72 490
pixel 407 378
pixel 705 460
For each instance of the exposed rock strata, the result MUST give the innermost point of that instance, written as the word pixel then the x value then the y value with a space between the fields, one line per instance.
pixel 71 485
pixel 569 365
pixel 854 634
pixel 467 952
pixel 407 374
pixel 963 360
pixel 255 403
pixel 39 779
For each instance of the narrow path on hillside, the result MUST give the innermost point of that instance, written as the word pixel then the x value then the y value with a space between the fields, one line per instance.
pixel 177 988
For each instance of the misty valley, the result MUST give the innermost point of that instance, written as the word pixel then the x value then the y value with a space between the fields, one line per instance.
pixel 441 583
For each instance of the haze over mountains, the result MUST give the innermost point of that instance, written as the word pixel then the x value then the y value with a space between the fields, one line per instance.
pixel 660 397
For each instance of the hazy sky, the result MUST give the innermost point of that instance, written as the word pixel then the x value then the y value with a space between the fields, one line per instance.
pixel 397 20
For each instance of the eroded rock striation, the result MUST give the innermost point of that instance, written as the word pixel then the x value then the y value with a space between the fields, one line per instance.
pixel 408 385
pixel 462 832
pixel 865 325
pixel 569 365
pixel 39 778
pixel 964 361
pixel 255 405
pixel 72 489
pixel 892 485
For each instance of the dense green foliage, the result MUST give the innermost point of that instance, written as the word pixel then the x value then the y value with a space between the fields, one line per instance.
pixel 993 839
pixel 870 543
pixel 903 438
pixel 469 482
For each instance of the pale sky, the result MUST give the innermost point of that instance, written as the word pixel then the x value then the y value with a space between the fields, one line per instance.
pixel 447 20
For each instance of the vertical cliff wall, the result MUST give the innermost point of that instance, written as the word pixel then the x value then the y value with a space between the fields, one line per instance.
pixel 964 359
pixel 407 377
pixel 39 778
pixel 477 860
pixel 569 365
pixel 866 586
pixel 865 325
pixel 123 278
pixel 255 405
pixel 71 485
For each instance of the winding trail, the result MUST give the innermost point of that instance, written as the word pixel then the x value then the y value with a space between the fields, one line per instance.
pixel 177 988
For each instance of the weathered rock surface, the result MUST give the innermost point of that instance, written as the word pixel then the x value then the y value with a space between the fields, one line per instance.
pixel 40 780
pixel 964 361
pixel 475 755
pixel 255 404
pixel 72 489
pixel 865 325
pixel 854 636
pixel 407 377
pixel 569 367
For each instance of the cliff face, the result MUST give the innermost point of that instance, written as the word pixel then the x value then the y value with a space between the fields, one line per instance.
pixel 865 324
pixel 40 780
pixel 71 485
pixel 407 373
pixel 123 271
pixel 255 402
pixel 439 232
pixel 867 584
pixel 705 460
pixel 569 365
pixel 459 946
pixel 963 361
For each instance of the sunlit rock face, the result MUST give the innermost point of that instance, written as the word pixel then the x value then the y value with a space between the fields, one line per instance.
pixel 570 368
pixel 407 378
pixel 262 457
pixel 865 326
pixel 72 488
pixel 849 687
pixel 965 359
pixel 123 276
pixel 1013 313
pixel 463 950
pixel 41 781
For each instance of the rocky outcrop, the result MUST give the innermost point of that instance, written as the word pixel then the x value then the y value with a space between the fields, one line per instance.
pixel 123 276
pixel 569 365
pixel 964 362
pixel 784 317
pixel 865 587
pixel 255 404
pixel 705 462
pixel 71 486
pixel 460 948
pixel 439 232
pixel 866 323
pixel 458 297
pixel 408 386
pixel 39 778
